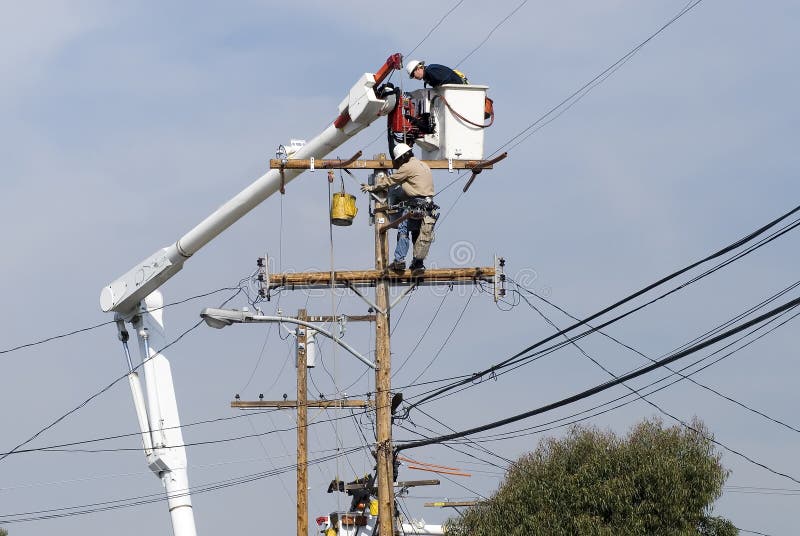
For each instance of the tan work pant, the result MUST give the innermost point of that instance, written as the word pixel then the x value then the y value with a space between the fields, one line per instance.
pixel 423 242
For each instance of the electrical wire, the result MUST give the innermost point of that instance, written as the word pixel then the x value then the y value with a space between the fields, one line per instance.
pixel 661 410
pixel 274 430
pixel 565 421
pixel 539 428
pixel 109 386
pixel 557 110
pixel 692 380
pixel 446 340
pixel 607 385
pixel 91 508
pixel 137 434
pixel 419 341
pixel 716 442
pixel 752 532
pixel 475 445
pixel 427 35
pixel 266 454
pixel 89 328
pixel 517 361
pixel 485 39
pixel 731 247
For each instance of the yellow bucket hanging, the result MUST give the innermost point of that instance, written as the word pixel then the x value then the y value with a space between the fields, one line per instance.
pixel 343 209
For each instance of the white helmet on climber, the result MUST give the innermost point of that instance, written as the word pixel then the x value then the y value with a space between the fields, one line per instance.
pixel 400 149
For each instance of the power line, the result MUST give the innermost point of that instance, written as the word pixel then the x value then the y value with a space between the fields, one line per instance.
pixel 485 39
pixel 607 385
pixel 109 386
pixel 427 35
pixel 637 392
pixel 275 430
pixel 752 532
pixel 733 246
pixel 89 328
pixel 557 110
pixel 521 358
pixel 419 341
pixel 116 504
pixel 566 422
pixel 591 84
pixel 707 388
pixel 446 340
pixel 471 443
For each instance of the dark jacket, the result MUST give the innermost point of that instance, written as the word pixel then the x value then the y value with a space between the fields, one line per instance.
pixel 436 75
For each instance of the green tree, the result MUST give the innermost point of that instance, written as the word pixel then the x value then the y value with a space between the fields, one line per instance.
pixel 3 532
pixel 654 481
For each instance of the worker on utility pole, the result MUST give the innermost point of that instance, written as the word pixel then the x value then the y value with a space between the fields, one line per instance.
pixel 434 74
pixel 410 186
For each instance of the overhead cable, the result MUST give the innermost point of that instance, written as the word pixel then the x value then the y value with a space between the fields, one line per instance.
pixel 687 377
pixel 607 385
pixel 733 246
pixel 569 420
pixel 89 328
pixel 109 386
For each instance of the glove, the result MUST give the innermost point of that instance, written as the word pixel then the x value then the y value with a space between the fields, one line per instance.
pixel 367 188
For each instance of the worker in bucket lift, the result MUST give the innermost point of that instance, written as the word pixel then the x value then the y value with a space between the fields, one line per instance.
pixel 434 74
pixel 412 184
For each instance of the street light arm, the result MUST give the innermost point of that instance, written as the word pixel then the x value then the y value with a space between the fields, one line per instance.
pixel 219 318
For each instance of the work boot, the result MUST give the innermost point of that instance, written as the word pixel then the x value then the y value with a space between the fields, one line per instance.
pixel 397 266
pixel 417 268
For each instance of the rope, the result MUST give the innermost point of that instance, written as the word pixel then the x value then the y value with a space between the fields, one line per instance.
pixel 455 113
pixel 336 435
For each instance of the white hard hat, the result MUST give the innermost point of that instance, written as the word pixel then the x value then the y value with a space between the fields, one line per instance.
pixel 411 65
pixel 400 149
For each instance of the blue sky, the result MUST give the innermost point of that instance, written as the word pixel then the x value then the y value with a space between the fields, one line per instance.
pixel 123 126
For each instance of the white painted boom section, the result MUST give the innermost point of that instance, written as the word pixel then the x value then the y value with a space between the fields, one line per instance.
pixel 359 109
pixel 168 457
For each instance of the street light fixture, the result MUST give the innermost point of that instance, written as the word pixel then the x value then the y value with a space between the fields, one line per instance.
pixel 220 318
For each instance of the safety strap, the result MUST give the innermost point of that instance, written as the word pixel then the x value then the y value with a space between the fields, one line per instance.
pixel 455 113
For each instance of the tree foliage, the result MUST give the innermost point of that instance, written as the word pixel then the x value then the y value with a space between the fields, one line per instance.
pixel 3 532
pixel 653 481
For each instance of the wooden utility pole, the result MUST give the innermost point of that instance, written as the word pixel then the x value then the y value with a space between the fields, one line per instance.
pixel 384 453
pixel 381 279
pixel 302 424
pixel 302 404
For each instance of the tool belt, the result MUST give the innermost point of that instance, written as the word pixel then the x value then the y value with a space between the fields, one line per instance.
pixel 419 207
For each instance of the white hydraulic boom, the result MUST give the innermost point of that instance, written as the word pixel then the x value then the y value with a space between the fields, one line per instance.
pixel 134 297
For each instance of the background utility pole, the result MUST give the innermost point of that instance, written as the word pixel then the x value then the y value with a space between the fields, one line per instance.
pixel 302 423
pixel 383 382
pixel 304 336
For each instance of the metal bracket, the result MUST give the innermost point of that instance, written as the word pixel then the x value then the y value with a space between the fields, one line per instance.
pixel 403 295
pixel 366 300
pixel 311 164
pixel 263 276
pixel 450 165
pixel 499 285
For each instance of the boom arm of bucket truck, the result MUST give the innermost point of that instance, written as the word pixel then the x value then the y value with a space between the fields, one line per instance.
pixel 358 109
pixel 135 299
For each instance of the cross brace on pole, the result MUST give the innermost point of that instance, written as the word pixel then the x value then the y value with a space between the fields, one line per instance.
pixel 370 278
pixel 300 163
pixel 325 404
